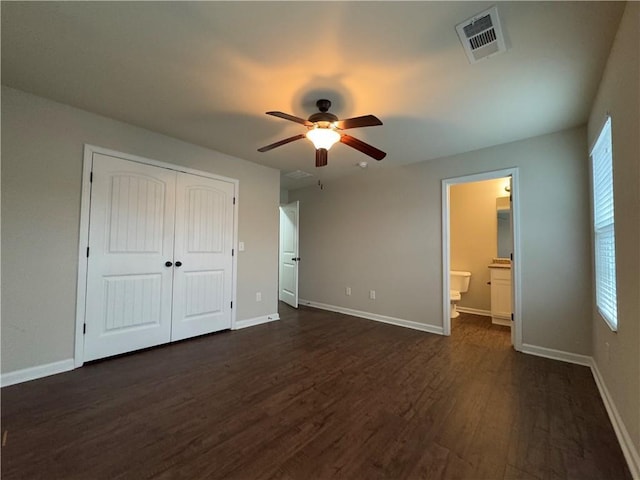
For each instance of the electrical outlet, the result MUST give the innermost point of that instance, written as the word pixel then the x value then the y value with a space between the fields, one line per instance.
pixel 347 291
pixel 258 296
pixel 372 294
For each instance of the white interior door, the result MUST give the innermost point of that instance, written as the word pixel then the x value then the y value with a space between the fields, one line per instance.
pixel 289 253
pixel 203 272
pixel 128 303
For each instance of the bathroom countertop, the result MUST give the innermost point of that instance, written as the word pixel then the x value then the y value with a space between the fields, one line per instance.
pixel 500 265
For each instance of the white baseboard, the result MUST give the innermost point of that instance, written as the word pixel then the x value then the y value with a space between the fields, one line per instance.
pixel 374 316
pixel 501 321
pixel 474 311
pixel 556 355
pixel 33 373
pixel 626 444
pixel 252 322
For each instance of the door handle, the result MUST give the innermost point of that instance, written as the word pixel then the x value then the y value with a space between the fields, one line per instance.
pixel 178 263
pixel 168 264
pixel 295 259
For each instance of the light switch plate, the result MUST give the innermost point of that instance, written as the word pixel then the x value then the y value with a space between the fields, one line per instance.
pixel 241 246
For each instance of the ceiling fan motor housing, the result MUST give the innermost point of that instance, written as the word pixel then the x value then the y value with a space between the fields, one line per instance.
pixel 323 118
pixel 324 115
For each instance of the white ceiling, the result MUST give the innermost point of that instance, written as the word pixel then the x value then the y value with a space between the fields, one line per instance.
pixel 206 72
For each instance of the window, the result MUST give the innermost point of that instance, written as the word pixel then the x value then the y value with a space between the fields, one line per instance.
pixel 603 226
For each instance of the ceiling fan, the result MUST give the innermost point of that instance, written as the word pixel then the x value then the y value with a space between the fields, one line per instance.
pixel 324 129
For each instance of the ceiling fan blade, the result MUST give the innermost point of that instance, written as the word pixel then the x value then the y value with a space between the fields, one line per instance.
pixel 365 148
pixel 281 142
pixel 356 122
pixel 292 118
pixel 321 157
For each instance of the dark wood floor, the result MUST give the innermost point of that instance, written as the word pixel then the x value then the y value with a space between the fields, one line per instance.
pixel 315 395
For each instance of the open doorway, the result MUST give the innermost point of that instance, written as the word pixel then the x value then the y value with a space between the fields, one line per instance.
pixel 495 269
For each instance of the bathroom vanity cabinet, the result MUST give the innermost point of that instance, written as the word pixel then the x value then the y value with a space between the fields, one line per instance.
pixel 500 293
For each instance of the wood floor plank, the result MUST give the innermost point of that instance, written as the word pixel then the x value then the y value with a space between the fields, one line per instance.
pixel 315 395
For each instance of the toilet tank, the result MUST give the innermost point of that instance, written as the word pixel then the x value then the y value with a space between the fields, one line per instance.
pixel 459 280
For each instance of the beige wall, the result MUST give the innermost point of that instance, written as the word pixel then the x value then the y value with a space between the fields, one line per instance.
pixel 474 236
pixel 381 229
pixel 619 95
pixel 42 152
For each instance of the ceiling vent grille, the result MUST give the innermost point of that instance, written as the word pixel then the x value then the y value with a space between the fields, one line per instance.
pixel 481 35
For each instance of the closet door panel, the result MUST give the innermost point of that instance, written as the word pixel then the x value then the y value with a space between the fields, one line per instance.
pixel 203 255
pixel 129 288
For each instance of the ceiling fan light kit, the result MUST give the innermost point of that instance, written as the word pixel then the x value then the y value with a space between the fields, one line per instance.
pixel 323 137
pixel 324 130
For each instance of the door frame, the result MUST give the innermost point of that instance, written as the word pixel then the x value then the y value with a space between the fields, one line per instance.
pixel 85 210
pixel 516 264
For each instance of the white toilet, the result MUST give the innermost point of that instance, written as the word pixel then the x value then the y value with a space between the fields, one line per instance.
pixel 458 284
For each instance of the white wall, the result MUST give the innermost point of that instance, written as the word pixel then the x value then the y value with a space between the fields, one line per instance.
pixel 381 229
pixel 42 152
pixel 619 95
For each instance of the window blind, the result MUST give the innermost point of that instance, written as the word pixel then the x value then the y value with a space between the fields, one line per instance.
pixel 603 224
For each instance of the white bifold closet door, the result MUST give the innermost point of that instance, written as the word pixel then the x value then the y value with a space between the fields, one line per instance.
pixel 203 243
pixel 160 260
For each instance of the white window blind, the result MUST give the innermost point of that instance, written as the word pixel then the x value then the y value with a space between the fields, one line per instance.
pixel 603 225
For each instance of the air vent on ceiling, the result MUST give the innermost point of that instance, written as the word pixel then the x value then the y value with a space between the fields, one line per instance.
pixel 481 35
pixel 298 174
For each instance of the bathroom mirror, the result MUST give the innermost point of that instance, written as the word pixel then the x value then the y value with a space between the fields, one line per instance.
pixel 504 232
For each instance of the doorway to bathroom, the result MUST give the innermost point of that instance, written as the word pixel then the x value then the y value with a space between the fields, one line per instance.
pixel 480 249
